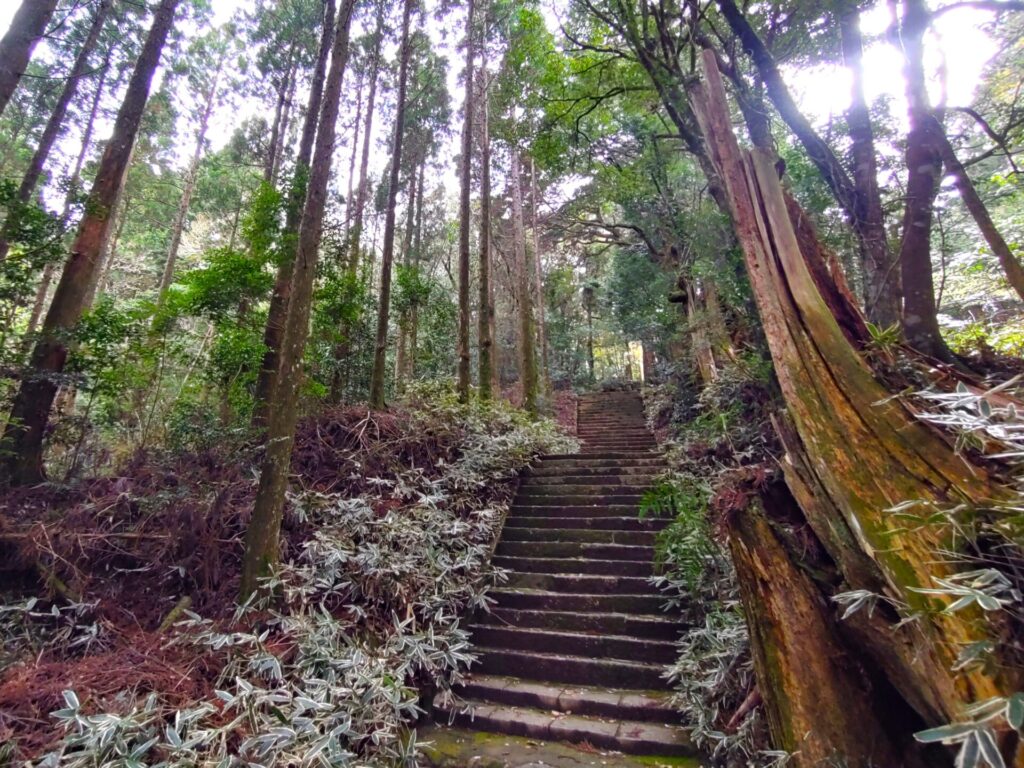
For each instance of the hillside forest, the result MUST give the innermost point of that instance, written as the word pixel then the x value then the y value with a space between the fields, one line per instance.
pixel 292 292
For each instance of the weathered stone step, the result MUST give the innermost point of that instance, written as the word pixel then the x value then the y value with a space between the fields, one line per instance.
pixel 653 627
pixel 581 583
pixel 646 706
pixel 625 523
pixel 574 549
pixel 531 509
pixel 555 489
pixel 614 647
pixel 629 737
pixel 566 479
pixel 540 600
pixel 642 472
pixel 575 499
pixel 514 532
pixel 576 670
pixel 590 458
pixel 575 565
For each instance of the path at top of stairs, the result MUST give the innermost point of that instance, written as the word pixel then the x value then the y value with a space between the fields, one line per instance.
pixel 576 647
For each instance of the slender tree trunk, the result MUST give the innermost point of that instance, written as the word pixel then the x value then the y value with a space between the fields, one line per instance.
pixel 414 313
pixel 349 200
pixel 16 46
pixel 924 172
pixel 363 190
pixel 23 436
pixel 286 124
pixel 485 316
pixel 402 349
pixel 108 250
pixel 524 263
pixel 273 333
pixel 55 124
pixel 263 534
pixel 465 215
pixel 1007 259
pixel 191 176
pixel 276 132
pixel 881 272
pixel 69 198
pixel 542 333
pixel 387 257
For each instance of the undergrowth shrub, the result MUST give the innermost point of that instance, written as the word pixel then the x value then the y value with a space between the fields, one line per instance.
pixel 365 619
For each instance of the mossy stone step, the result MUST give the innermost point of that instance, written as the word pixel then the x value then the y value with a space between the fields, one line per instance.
pixel 528 509
pixel 514 532
pixel 581 583
pixel 574 549
pixel 592 646
pixel 575 670
pixel 575 565
pixel 543 600
pixel 635 625
pixel 623 523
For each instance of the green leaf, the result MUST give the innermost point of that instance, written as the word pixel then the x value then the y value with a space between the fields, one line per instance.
pixel 946 734
pixel 1015 711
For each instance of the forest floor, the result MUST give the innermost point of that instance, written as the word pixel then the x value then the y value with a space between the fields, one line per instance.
pixel 121 587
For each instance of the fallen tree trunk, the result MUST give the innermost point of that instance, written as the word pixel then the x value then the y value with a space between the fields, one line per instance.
pixel 861 452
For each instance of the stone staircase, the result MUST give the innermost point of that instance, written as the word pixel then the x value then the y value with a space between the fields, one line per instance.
pixel 575 647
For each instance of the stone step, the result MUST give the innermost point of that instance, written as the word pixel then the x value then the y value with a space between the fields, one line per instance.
pixel 575 549
pixel 575 670
pixel 529 499
pixel 591 461
pixel 555 489
pixel 540 600
pixel 591 646
pixel 629 737
pixel 646 626
pixel 563 479
pixel 643 473
pixel 575 565
pixel 581 583
pixel 625 523
pixel 590 458
pixel 531 509
pixel 647 706
pixel 515 532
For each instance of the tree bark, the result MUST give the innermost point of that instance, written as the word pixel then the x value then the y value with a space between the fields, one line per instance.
pixel 465 214
pixel 881 273
pixel 387 257
pixel 525 270
pixel 273 332
pixel 866 450
pixel 924 172
pixel 23 436
pixel 402 348
pixel 485 310
pixel 263 533
pixel 27 27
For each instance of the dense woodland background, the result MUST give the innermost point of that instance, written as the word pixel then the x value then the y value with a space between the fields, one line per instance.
pixel 291 290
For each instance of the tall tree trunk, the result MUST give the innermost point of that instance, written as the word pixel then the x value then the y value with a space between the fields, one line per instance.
pixel 1007 259
pixel 55 124
pixel 286 124
pixel 542 333
pixel 924 172
pixel 860 452
pixel 23 435
pixel 276 132
pixel 273 332
pixel 485 310
pixel 69 198
pixel 363 190
pixel 402 348
pixel 191 176
pixel 465 214
pixel 525 269
pixel 263 534
pixel 357 124
pixel 387 257
pixel 881 272
pixel 27 27
pixel 414 319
